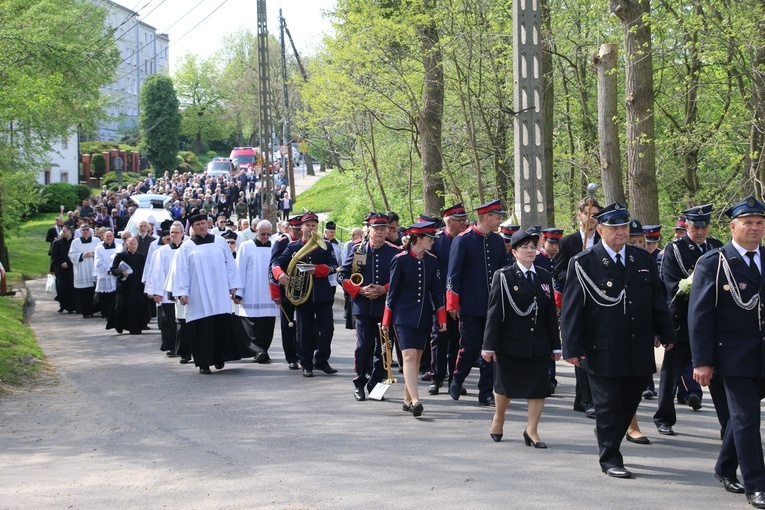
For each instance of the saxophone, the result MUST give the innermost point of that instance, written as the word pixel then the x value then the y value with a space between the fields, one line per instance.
pixel 359 259
pixel 301 283
pixel 386 354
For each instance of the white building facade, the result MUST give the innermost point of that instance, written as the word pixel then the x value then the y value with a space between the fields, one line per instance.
pixel 144 52
pixel 63 162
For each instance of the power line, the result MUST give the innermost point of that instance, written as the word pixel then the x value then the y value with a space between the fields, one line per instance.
pixel 174 41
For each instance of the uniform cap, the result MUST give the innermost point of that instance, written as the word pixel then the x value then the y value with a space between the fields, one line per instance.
pixel 377 220
pixel 309 216
pixel 681 223
pixel 613 215
pixel 491 207
pixel 552 234
pixel 636 228
pixel 652 233
pixel 749 206
pixel 426 228
pixel 295 221
pixel 457 210
pixel 507 231
pixel 699 215
pixel 330 226
pixel 522 236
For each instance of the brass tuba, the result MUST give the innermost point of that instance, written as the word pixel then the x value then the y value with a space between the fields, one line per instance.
pixel 301 283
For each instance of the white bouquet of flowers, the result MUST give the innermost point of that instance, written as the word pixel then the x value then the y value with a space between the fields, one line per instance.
pixel 684 286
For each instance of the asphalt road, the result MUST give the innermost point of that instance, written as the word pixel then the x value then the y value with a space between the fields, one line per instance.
pixel 117 424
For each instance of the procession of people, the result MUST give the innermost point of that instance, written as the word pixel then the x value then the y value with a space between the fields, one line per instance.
pixel 451 296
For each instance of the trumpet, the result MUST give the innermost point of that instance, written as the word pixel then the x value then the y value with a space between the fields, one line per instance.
pixel 386 354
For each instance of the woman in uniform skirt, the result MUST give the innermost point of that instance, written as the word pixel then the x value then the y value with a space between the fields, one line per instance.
pixel 521 336
pixel 415 293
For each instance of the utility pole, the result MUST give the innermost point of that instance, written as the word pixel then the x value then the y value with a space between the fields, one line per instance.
pixel 286 136
pixel 266 138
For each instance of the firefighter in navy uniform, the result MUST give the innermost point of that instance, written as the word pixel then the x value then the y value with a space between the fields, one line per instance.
pixel 370 261
pixel 473 258
pixel 678 263
pixel 314 317
pixel 445 345
pixel 726 323
pixel 613 315
pixel 289 337
pixel 546 256
pixel 415 296
pixel 506 231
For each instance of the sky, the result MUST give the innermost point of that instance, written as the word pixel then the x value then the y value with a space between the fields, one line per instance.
pixel 304 18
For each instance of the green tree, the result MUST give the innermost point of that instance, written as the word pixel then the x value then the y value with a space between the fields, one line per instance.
pixel 51 73
pixel 201 98
pixel 159 122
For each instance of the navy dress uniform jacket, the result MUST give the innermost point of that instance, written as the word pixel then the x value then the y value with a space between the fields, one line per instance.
pixel 533 335
pixel 473 259
pixel 722 334
pixel 416 292
pixel 325 262
pixel 674 270
pixel 568 247
pixel 617 340
pixel 376 270
pixel 442 245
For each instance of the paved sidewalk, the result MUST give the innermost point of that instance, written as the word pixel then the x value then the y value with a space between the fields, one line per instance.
pixel 120 425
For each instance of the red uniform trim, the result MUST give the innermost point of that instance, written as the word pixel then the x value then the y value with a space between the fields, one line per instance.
pixel 275 291
pixel 441 315
pixel 350 288
pixel 387 316
pixel 321 271
pixel 452 300
pixel 277 272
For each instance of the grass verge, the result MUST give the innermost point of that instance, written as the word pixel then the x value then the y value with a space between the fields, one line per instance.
pixel 28 253
pixel 329 193
pixel 19 352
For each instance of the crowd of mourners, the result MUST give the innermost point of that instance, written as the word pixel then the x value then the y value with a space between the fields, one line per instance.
pixel 442 297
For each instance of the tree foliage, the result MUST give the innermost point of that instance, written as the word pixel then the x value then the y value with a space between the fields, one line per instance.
pixel 51 73
pixel 159 122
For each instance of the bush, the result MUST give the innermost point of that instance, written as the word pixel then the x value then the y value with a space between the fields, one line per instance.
pixel 97 166
pixel 58 194
pixel 212 154
pixel 192 160
pixel 83 192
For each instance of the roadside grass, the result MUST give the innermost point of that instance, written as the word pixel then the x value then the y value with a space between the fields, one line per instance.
pixel 328 194
pixel 27 249
pixel 19 352
pixel 28 253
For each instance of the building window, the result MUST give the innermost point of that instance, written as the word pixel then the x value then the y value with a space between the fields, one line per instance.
pixel 64 176
pixel 47 177
pixel 65 142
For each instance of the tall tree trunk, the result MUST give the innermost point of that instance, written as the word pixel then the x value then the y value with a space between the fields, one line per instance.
pixel 757 122
pixel 690 146
pixel 641 149
pixel 431 117
pixel 608 132
pixel 309 164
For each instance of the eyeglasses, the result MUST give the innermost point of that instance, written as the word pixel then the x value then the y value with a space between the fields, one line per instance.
pixel 264 233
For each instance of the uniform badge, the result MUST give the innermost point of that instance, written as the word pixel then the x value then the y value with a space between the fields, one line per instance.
pixel 632 259
pixel 606 261
pixel 609 284
pixel 546 288
pixel 515 288
pixel 726 287
pixel 742 286
pixel 691 247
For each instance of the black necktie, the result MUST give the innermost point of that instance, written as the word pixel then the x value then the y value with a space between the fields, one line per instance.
pixel 530 276
pixel 619 264
pixel 753 266
pixel 703 247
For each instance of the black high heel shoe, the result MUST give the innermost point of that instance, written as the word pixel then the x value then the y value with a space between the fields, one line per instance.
pixel 496 437
pixel 529 442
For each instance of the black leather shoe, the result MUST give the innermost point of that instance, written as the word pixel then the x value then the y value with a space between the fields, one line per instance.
pixel 580 407
pixel 590 411
pixel 665 430
pixel 307 373
pixel 496 437
pixel 219 366
pixel 488 401
pixel 183 361
pixel 731 484
pixel 695 402
pixel 358 394
pixel 638 440
pixel 416 409
pixel 205 370
pixel 455 390
pixel 530 442
pixel 427 376
pixel 407 408
pixel 648 394
pixel 434 388
pixel 756 499
pixel 618 472
pixel 294 365
pixel 262 357
pixel 327 369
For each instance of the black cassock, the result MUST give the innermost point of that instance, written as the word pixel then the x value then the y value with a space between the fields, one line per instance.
pixel 130 302
pixel 64 277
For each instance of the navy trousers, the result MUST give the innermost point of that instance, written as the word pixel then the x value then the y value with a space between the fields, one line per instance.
pixel 314 333
pixel 471 331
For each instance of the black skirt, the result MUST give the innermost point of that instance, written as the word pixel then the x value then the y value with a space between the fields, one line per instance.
pixel 516 377
pixel 411 338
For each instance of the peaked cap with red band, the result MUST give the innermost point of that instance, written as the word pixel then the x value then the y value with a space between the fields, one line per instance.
pixel 491 207
pixel 457 210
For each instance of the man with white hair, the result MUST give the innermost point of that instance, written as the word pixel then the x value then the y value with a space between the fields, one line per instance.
pixel 82 253
pixel 144 235
pixel 257 310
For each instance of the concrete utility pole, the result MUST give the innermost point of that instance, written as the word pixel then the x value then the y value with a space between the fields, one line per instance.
pixel 286 135
pixel 530 185
pixel 266 138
